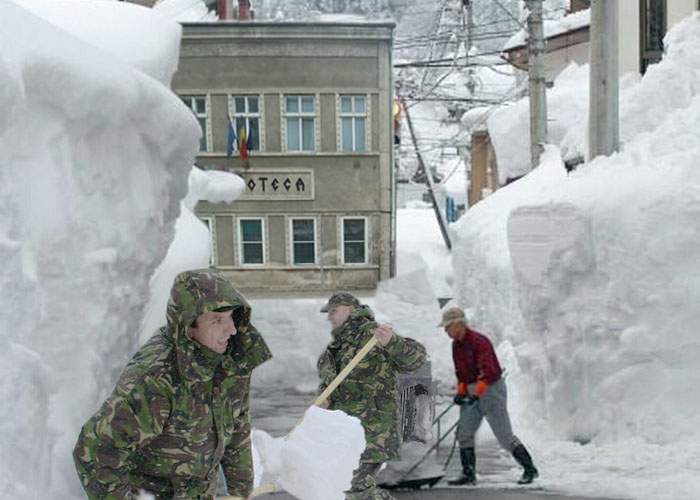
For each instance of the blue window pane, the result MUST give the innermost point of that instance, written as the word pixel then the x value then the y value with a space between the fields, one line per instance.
pixel 293 139
pixel 252 253
pixel 292 104
pixel 359 134
pixel 347 134
pixel 307 126
pixel 239 104
pixel 354 253
pixel 203 139
pixel 253 134
pixel 360 104
pixel 307 104
pixel 303 230
pixel 200 105
pixel 354 229
pixel 304 253
pixel 252 104
pixel 251 230
pixel 346 104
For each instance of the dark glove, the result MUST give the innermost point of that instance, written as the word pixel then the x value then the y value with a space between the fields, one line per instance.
pixel 459 400
pixel 471 400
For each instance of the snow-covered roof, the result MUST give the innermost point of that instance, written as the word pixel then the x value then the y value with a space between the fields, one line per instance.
pixel 552 28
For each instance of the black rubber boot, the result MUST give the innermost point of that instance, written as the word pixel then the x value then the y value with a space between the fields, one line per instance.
pixel 525 460
pixel 468 476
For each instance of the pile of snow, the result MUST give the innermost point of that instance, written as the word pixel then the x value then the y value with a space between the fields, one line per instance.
pixel 131 33
pixel 185 11
pixel 316 460
pixel 567 111
pixel 590 284
pixel 552 28
pixel 95 161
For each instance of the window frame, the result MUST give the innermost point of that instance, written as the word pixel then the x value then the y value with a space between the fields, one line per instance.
pixel 353 115
pixel 239 247
pixel 206 133
pixel 649 57
pixel 341 233
pixel 247 115
pixel 300 116
pixel 290 240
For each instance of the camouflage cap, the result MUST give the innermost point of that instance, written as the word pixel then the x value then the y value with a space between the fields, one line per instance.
pixel 452 315
pixel 340 299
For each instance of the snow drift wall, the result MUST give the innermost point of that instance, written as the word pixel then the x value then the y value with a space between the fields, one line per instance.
pixel 591 282
pixel 94 165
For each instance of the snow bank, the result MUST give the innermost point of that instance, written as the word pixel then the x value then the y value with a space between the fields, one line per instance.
pixel 590 284
pixel 567 111
pixel 130 33
pixel 95 159
pixel 316 460
pixel 191 246
pixel 552 28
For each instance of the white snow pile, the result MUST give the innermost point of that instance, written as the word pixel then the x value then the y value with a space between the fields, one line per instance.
pixel 567 111
pixel 591 284
pixel 185 10
pixel 191 246
pixel 553 27
pixel 95 162
pixel 316 460
pixel 131 33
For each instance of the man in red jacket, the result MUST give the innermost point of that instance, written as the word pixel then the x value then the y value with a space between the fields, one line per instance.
pixel 481 392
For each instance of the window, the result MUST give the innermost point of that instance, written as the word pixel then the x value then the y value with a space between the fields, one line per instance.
pixel 300 116
pixel 251 241
pixel 353 120
pixel 245 114
pixel 303 241
pixel 198 105
pixel 354 245
pixel 209 222
pixel 653 29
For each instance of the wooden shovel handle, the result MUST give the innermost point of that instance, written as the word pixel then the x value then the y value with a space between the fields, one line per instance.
pixel 346 371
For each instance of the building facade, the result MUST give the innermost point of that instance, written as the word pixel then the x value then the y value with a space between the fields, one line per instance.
pixel 312 105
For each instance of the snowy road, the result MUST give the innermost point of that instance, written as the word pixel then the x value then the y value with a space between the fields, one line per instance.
pixel 276 410
pixel 450 493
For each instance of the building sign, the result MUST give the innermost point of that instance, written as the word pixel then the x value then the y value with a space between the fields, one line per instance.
pixel 282 185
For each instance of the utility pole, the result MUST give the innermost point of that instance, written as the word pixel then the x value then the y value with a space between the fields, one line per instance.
pixel 538 95
pixel 468 40
pixel 603 110
pixel 429 177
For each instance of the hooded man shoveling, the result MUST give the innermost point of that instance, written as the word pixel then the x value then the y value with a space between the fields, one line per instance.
pixel 180 408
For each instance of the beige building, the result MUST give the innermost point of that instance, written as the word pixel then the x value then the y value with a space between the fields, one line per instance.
pixel 642 25
pixel 315 103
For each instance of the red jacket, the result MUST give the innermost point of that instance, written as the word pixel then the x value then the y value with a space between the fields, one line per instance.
pixel 475 360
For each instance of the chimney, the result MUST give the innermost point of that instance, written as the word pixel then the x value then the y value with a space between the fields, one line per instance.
pixel 224 9
pixel 244 10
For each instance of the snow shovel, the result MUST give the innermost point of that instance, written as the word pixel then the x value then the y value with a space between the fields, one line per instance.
pixel 270 488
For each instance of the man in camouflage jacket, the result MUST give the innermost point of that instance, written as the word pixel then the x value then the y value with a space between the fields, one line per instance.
pixel 181 406
pixel 369 391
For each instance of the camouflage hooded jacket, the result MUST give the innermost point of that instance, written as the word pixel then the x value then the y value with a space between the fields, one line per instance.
pixel 178 410
pixel 369 391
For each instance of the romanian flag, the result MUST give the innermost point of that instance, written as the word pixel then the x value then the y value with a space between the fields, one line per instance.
pixel 243 143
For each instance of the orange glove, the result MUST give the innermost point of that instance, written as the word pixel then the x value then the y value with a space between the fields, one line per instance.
pixel 462 389
pixel 481 388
